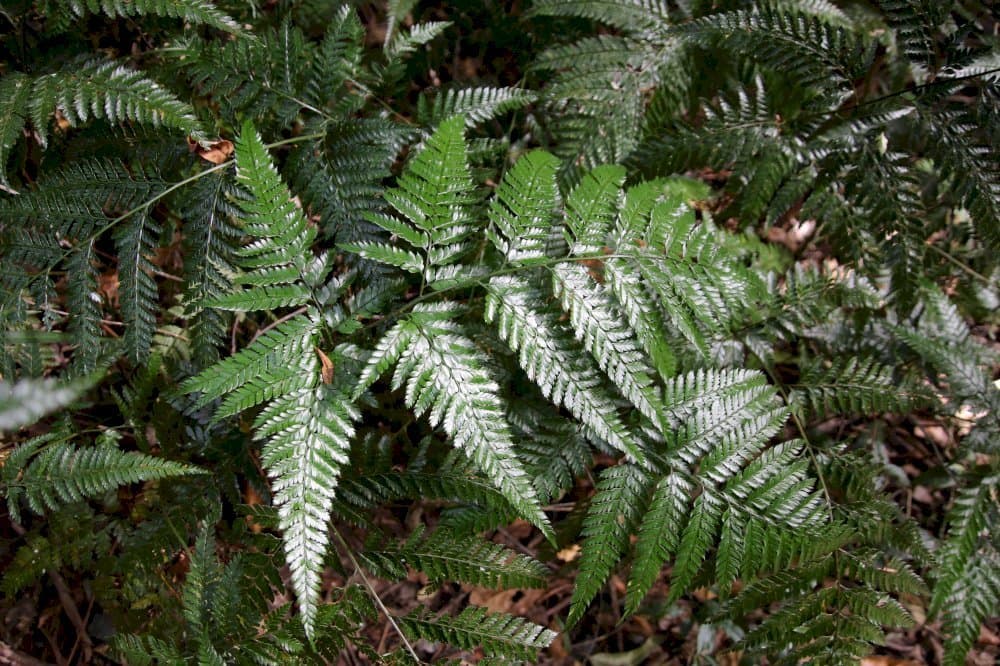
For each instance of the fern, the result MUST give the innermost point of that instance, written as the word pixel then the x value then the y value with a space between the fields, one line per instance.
pixel 105 89
pixel 419 299
pixel 61 473
pixel 496 633
pixel 191 11
pixel 24 402
pixel 443 557
pixel 307 426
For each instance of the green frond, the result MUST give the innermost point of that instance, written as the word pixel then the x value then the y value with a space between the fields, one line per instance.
pixel 549 354
pixel 338 60
pixel 801 44
pixel 61 473
pixel 442 557
pixel 554 449
pixel 914 24
pixel 280 348
pixel 15 91
pixel 147 650
pixel 84 304
pixel 70 539
pixel 522 211
pixel 190 11
pixel 279 263
pixel 368 491
pixel 497 634
pixel 658 535
pixel 696 539
pixel 854 386
pixel 629 15
pixel 340 177
pixel 211 239
pixel 619 503
pixel 591 207
pixel 136 240
pixel 25 401
pixel 476 104
pixel 110 90
pixel 972 600
pixel 446 374
pixel 967 589
pixel 434 195
pixel 264 79
pixel 970 159
pixel 307 435
pixel 75 199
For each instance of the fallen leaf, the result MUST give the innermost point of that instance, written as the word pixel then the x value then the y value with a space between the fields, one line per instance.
pixel 882 660
pixel 216 152
pixel 569 553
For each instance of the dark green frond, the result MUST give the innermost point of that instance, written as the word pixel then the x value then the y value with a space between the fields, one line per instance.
pixel 443 556
pixel 497 634
pixel 24 402
pixel 62 473
pixel 190 11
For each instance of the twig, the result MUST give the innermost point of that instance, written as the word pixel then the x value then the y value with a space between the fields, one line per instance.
pixel 72 612
pixel 279 322
pixel 65 598
pixel 375 597
pixel 11 657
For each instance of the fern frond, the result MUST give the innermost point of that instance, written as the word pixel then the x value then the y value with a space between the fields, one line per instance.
pixel 264 78
pixel 599 326
pixel 619 503
pixel 442 556
pixel 445 374
pixel 548 353
pixel 434 195
pixel 307 433
pixel 967 591
pixel 136 241
pixel 338 61
pixel 555 450
pixel 854 386
pixel 369 491
pixel 422 33
pixel 109 90
pixel 914 24
pixel 15 91
pixel 522 211
pixel 61 473
pixel 497 634
pixel 211 239
pixel 77 198
pixel 23 402
pixel 84 303
pixel 280 348
pixel 658 535
pixel 190 11
pixel 628 15
pixel 476 105
pixel 810 47
pixel 281 265
pixel 340 177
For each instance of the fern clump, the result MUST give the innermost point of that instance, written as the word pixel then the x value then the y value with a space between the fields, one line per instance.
pixel 410 332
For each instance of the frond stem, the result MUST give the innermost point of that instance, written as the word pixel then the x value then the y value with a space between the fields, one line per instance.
pixel 374 595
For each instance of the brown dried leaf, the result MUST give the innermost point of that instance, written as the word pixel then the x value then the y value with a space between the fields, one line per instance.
pixel 216 152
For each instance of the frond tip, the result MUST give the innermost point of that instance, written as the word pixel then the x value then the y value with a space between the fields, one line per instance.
pixel 63 473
